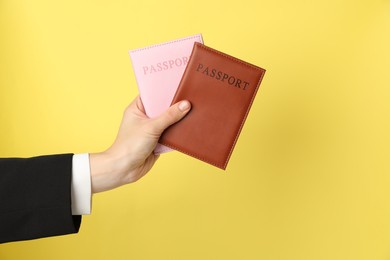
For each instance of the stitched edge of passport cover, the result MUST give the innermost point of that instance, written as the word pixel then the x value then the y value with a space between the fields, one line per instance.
pixel 197 36
pixel 262 72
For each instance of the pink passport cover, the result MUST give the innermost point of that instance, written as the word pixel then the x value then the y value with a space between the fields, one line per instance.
pixel 158 70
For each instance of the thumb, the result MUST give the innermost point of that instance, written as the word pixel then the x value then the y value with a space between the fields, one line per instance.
pixel 171 116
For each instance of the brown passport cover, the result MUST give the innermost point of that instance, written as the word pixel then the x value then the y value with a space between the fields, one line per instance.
pixel 221 90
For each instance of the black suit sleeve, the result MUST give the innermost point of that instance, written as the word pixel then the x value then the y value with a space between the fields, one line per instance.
pixel 35 198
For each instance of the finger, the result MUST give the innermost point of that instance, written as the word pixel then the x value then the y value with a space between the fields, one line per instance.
pixel 171 116
pixel 140 105
pixel 135 107
pixel 148 165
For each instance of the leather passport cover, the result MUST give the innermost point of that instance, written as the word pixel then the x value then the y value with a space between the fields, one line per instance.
pixel 221 89
pixel 158 70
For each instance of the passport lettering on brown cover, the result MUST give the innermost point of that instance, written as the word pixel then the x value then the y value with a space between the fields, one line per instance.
pixel 221 90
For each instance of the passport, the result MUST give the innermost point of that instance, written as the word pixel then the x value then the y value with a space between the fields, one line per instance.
pixel 221 89
pixel 158 69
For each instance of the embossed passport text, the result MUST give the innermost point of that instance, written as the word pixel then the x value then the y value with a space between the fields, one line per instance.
pixel 158 70
pixel 221 89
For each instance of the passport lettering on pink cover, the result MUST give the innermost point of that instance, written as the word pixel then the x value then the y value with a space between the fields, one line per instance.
pixel 158 70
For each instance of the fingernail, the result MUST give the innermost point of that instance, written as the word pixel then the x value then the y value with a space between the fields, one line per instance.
pixel 184 105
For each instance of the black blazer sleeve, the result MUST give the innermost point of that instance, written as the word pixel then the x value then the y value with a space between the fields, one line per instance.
pixel 35 198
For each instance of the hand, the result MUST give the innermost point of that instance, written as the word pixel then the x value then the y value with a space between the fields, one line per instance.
pixel 131 155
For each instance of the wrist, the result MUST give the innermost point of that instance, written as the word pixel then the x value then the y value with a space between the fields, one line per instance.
pixel 101 170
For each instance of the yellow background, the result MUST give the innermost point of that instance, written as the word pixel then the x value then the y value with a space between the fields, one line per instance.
pixel 310 175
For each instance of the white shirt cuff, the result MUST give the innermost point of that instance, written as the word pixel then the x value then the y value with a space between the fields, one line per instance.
pixel 81 185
